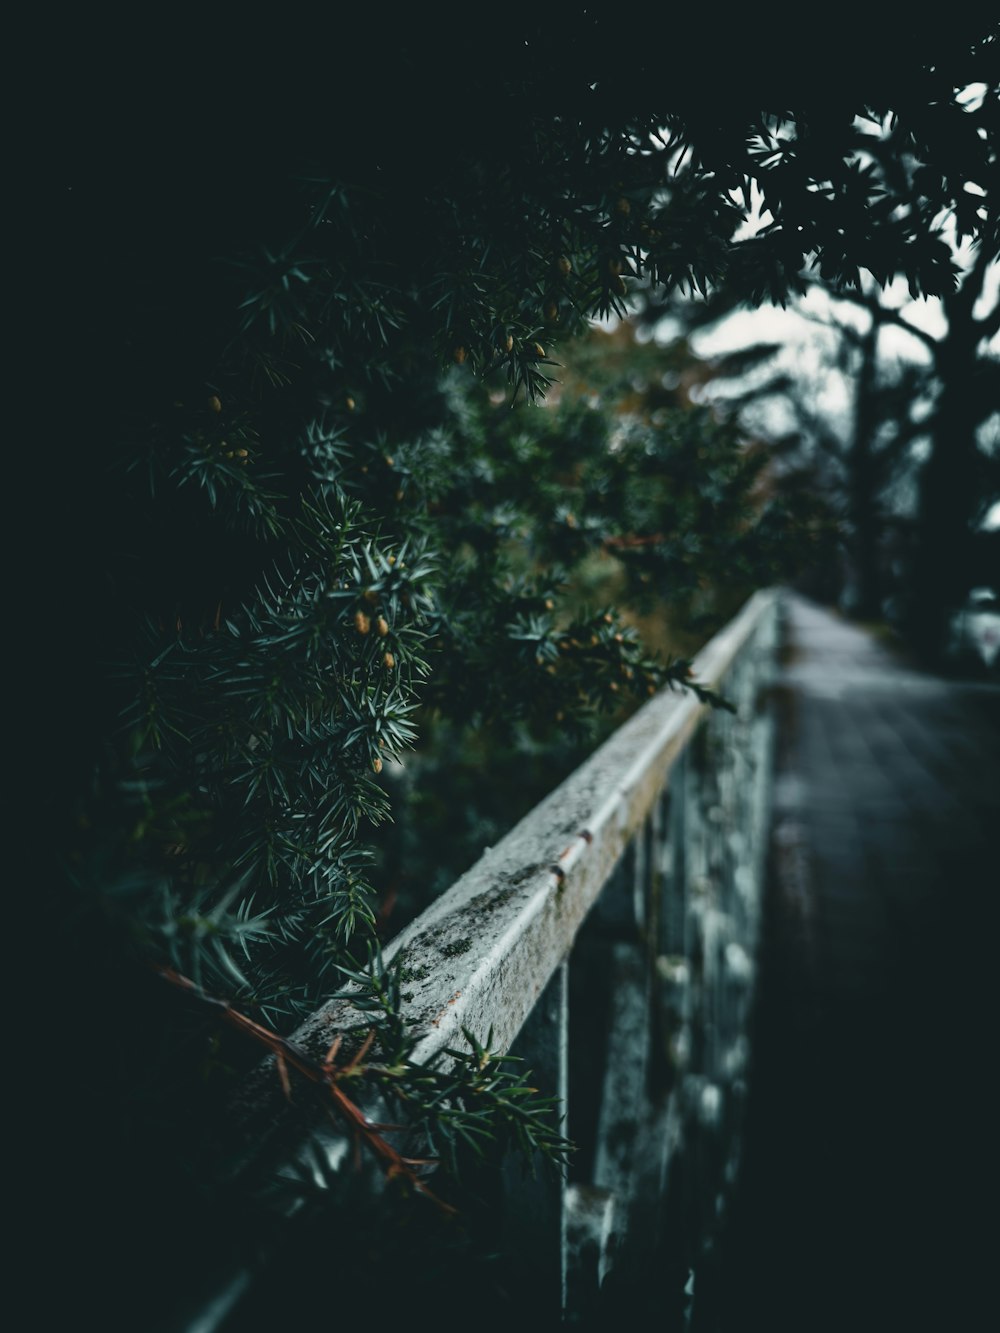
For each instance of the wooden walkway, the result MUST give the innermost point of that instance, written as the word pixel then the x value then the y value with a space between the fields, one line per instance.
pixel 868 1195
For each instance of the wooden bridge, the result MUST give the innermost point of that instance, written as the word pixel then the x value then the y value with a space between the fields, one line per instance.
pixel 749 951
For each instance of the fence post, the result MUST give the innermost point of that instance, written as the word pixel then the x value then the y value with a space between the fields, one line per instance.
pixel 534 1224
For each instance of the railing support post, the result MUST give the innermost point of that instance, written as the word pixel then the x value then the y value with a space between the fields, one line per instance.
pixel 534 1228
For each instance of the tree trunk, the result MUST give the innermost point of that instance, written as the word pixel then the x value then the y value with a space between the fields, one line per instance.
pixel 944 559
pixel 863 487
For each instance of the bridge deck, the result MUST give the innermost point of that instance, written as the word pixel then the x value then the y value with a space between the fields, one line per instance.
pixel 869 1174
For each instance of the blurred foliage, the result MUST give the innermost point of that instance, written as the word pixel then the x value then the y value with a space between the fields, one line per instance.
pixel 599 541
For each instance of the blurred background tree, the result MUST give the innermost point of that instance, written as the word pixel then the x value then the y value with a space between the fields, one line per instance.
pixel 595 543
pixel 885 406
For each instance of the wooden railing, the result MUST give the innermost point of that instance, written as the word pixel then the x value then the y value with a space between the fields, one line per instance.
pixel 610 939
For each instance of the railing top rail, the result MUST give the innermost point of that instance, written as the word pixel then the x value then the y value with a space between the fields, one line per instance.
pixel 480 956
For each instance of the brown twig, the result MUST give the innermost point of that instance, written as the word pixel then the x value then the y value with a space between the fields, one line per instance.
pixel 325 1074
pixel 629 540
